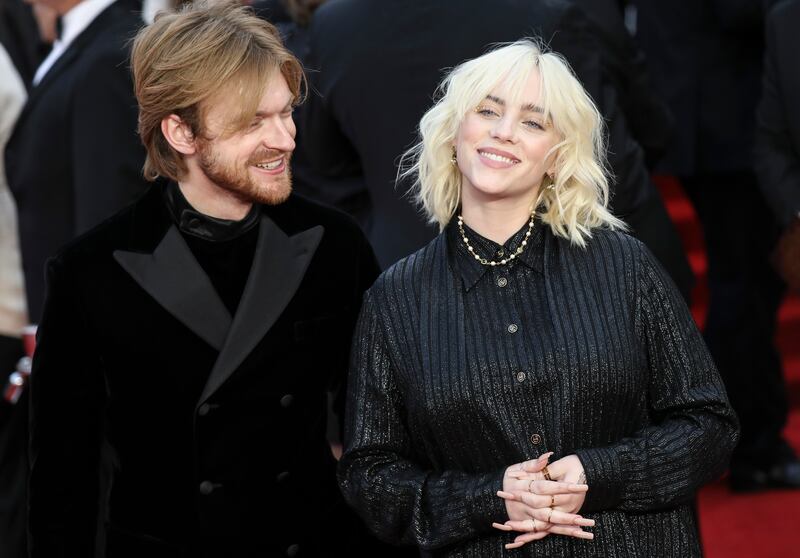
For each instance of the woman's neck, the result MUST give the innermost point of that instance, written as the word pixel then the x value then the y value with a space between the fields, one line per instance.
pixel 496 220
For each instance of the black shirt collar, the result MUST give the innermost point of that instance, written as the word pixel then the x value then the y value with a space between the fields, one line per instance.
pixel 471 270
pixel 190 221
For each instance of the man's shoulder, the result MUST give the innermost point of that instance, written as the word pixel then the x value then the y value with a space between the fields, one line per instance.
pixel 136 227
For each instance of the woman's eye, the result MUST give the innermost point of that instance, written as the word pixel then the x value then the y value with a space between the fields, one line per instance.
pixel 485 111
pixel 533 124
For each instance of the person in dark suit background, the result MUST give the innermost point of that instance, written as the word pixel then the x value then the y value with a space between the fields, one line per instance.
pixel 74 157
pixel 20 38
pixel 649 118
pixel 777 155
pixel 706 60
pixel 348 193
pixel 200 330
pixel 13 317
pixel 376 67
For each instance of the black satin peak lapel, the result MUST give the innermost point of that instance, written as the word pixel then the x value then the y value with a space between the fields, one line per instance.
pixel 172 276
pixel 279 264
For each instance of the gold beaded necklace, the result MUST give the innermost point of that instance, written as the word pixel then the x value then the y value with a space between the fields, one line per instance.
pixel 504 261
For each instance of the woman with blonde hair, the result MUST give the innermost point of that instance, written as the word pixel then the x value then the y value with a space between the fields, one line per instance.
pixel 530 379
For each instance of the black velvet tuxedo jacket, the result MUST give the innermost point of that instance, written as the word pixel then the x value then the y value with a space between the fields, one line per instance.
pixel 75 158
pixel 217 423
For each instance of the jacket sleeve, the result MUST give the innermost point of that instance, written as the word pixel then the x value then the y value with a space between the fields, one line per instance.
pixel 776 160
pixel 400 499
pixel 67 394
pixel 693 428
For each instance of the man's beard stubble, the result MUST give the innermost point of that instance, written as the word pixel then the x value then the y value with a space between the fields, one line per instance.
pixel 240 183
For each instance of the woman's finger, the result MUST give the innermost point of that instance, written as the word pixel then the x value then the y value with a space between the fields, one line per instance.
pixel 550 516
pixel 568 531
pixel 536 465
pixel 526 525
pixel 555 487
pixel 526 538
pixel 542 500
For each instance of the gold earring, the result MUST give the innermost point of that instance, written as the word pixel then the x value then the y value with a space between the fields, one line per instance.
pixel 453 158
pixel 551 185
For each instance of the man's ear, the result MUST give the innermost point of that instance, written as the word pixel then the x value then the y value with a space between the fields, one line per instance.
pixel 178 134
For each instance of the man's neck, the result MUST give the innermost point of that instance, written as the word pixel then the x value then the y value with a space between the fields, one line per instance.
pixel 214 201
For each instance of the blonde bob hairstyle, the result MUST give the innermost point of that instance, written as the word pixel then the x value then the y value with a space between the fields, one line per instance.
pixel 577 200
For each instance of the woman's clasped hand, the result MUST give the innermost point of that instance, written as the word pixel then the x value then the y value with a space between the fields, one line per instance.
pixel 544 499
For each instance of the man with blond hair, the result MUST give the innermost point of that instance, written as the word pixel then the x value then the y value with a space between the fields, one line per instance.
pixel 199 332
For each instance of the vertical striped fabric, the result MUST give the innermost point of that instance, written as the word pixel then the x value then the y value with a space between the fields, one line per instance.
pixel 460 370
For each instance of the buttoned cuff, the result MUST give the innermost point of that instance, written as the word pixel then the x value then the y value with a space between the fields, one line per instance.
pixel 603 471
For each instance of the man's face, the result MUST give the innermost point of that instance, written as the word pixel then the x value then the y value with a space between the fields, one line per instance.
pixel 253 163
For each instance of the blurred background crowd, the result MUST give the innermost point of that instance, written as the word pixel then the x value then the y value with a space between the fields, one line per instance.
pixel 703 91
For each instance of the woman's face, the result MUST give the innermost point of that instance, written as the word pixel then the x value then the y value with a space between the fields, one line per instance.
pixel 501 149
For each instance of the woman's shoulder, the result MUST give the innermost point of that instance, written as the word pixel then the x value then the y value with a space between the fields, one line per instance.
pixel 606 244
pixel 406 276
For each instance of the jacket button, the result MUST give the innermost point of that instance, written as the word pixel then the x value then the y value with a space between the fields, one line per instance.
pixel 520 376
pixel 512 328
pixel 293 550
pixel 282 476
pixel 286 400
pixel 206 488
pixel 502 281
pixel 536 439
pixel 204 409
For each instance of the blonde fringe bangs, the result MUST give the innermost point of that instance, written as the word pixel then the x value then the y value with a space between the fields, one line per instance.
pixel 579 200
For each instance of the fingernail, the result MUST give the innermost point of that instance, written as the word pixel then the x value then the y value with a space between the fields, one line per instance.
pixel 501 526
pixel 506 495
pixel 585 535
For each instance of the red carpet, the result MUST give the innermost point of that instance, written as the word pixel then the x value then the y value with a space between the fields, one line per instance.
pixel 732 525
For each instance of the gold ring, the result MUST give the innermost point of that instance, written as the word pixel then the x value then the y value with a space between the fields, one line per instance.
pixel 533 522
pixel 546 473
pixel 550 516
pixel 552 500
pixel 530 486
